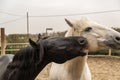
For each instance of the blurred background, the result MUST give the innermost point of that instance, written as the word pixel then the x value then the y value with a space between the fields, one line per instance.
pixel 42 14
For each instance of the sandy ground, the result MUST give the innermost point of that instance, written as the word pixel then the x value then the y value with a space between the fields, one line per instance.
pixel 102 68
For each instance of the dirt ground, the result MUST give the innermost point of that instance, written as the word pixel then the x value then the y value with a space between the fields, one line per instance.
pixel 102 68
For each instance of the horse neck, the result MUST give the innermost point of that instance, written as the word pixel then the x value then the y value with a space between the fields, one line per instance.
pixel 18 74
pixel 41 66
pixel 75 66
pixel 25 69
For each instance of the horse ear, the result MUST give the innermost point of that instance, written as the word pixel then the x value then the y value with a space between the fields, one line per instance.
pixel 69 22
pixel 39 36
pixel 32 43
pixel 36 46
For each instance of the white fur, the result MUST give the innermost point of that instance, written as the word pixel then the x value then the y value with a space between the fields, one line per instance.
pixel 77 68
pixel 86 74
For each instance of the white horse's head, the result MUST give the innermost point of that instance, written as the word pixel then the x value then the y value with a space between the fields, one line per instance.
pixel 99 36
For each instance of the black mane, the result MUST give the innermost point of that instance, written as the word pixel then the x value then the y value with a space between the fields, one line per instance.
pixel 24 65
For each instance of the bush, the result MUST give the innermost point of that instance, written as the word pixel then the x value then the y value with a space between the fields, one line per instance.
pixel 99 52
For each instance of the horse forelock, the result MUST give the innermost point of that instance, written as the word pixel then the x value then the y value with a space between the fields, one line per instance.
pixel 78 27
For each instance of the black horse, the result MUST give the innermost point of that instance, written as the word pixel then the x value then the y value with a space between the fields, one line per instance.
pixel 29 61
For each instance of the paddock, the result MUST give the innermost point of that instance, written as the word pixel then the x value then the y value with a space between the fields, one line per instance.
pixel 103 67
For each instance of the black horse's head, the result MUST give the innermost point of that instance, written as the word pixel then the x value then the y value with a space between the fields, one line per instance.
pixel 60 49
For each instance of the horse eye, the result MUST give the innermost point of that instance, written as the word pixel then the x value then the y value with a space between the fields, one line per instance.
pixel 88 29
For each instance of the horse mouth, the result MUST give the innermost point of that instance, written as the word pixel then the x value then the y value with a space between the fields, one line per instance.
pixel 112 44
pixel 85 50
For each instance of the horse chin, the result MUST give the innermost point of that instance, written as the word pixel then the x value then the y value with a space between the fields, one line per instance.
pixel 86 50
pixel 112 44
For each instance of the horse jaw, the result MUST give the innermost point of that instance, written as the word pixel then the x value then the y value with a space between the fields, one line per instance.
pixel 95 43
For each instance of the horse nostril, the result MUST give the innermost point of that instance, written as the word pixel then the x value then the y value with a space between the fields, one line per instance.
pixel 82 41
pixel 117 38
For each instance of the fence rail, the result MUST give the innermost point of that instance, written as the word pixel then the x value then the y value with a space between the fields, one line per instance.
pixel 12 47
pixel 15 46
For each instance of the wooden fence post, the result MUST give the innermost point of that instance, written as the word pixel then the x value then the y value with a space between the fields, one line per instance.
pixel 2 41
pixel 110 52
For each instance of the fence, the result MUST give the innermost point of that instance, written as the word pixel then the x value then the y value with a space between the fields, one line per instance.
pixel 102 67
pixel 13 47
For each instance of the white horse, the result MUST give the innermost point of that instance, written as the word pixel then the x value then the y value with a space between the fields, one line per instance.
pixel 4 61
pixel 99 37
